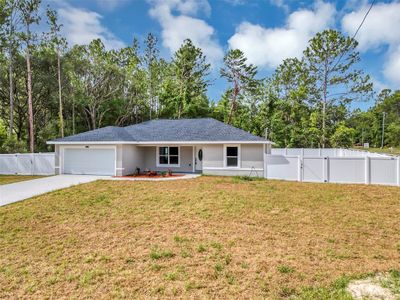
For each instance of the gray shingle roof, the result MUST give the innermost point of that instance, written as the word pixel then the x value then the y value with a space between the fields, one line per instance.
pixel 163 130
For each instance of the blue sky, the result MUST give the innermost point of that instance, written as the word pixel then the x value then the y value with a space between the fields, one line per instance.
pixel 266 30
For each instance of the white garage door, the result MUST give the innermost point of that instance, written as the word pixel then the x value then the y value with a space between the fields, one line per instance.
pixel 89 161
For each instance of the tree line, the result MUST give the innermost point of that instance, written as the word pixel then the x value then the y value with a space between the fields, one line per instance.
pixel 49 89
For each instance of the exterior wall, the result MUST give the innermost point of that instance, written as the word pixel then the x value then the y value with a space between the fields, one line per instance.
pixel 185 159
pixel 132 158
pixel 252 156
pixel 251 161
pixel 213 156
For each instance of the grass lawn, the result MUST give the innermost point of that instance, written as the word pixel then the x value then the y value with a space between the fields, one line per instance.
pixel 210 237
pixel 6 179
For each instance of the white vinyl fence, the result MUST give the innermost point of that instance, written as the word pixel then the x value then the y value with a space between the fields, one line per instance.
pixel 337 152
pixel 27 164
pixel 332 165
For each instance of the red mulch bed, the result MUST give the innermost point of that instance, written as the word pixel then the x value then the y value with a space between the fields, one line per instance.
pixel 149 176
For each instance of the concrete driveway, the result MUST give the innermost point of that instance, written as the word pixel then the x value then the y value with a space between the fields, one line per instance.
pixel 18 191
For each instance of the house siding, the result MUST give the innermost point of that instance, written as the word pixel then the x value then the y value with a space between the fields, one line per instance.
pixel 252 156
pixel 132 158
pixel 213 156
pixel 251 160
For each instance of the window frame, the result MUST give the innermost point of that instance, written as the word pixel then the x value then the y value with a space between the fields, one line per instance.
pixel 239 160
pixel 169 165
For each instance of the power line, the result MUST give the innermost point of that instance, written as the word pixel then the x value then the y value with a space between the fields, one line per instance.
pixel 358 29
pixel 363 20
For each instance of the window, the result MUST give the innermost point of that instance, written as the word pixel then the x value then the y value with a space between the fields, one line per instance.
pixel 232 156
pixel 168 156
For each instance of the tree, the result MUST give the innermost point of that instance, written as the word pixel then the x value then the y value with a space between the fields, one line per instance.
pixel 331 59
pixel 153 73
pixel 240 75
pixel 29 14
pixel 188 73
pixel 291 86
pixel 96 79
pixel 11 20
pixel 135 87
pixel 58 42
pixel 343 136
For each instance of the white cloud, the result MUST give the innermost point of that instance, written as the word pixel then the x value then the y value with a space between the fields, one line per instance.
pixel 281 4
pixel 175 29
pixel 380 29
pixel 111 4
pixel 391 69
pixel 236 2
pixel 82 26
pixel 267 47
pixel 186 7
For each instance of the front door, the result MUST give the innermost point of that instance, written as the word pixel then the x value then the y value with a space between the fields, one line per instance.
pixel 199 158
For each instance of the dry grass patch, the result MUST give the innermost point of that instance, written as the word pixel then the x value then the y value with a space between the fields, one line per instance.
pixel 6 179
pixel 210 237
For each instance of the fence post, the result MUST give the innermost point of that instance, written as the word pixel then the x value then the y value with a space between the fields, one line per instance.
pixel 367 170
pixel 398 171
pixel 299 168
pixel 18 164
pixel 326 169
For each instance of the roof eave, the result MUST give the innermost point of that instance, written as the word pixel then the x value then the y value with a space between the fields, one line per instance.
pixel 155 142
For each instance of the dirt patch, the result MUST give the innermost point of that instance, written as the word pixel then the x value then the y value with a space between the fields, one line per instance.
pixel 371 289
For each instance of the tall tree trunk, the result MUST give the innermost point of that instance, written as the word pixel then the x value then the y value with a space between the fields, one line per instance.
pixel 11 75
pixel 60 112
pixel 325 87
pixel 233 104
pixel 30 105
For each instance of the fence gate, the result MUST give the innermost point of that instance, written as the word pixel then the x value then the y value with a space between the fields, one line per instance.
pixel 27 164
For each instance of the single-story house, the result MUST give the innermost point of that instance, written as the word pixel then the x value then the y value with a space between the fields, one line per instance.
pixel 202 145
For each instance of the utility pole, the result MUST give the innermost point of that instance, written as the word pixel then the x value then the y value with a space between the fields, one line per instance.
pixel 362 137
pixel 383 129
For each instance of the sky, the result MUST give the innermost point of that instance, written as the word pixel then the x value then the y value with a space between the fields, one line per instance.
pixel 267 31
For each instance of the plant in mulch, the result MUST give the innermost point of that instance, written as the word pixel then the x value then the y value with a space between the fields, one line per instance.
pixel 163 173
pixel 169 172
pixel 137 173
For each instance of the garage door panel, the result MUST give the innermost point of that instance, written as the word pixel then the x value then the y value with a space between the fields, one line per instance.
pixel 89 161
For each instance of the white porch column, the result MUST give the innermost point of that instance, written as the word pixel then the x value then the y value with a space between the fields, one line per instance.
pixel 193 159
